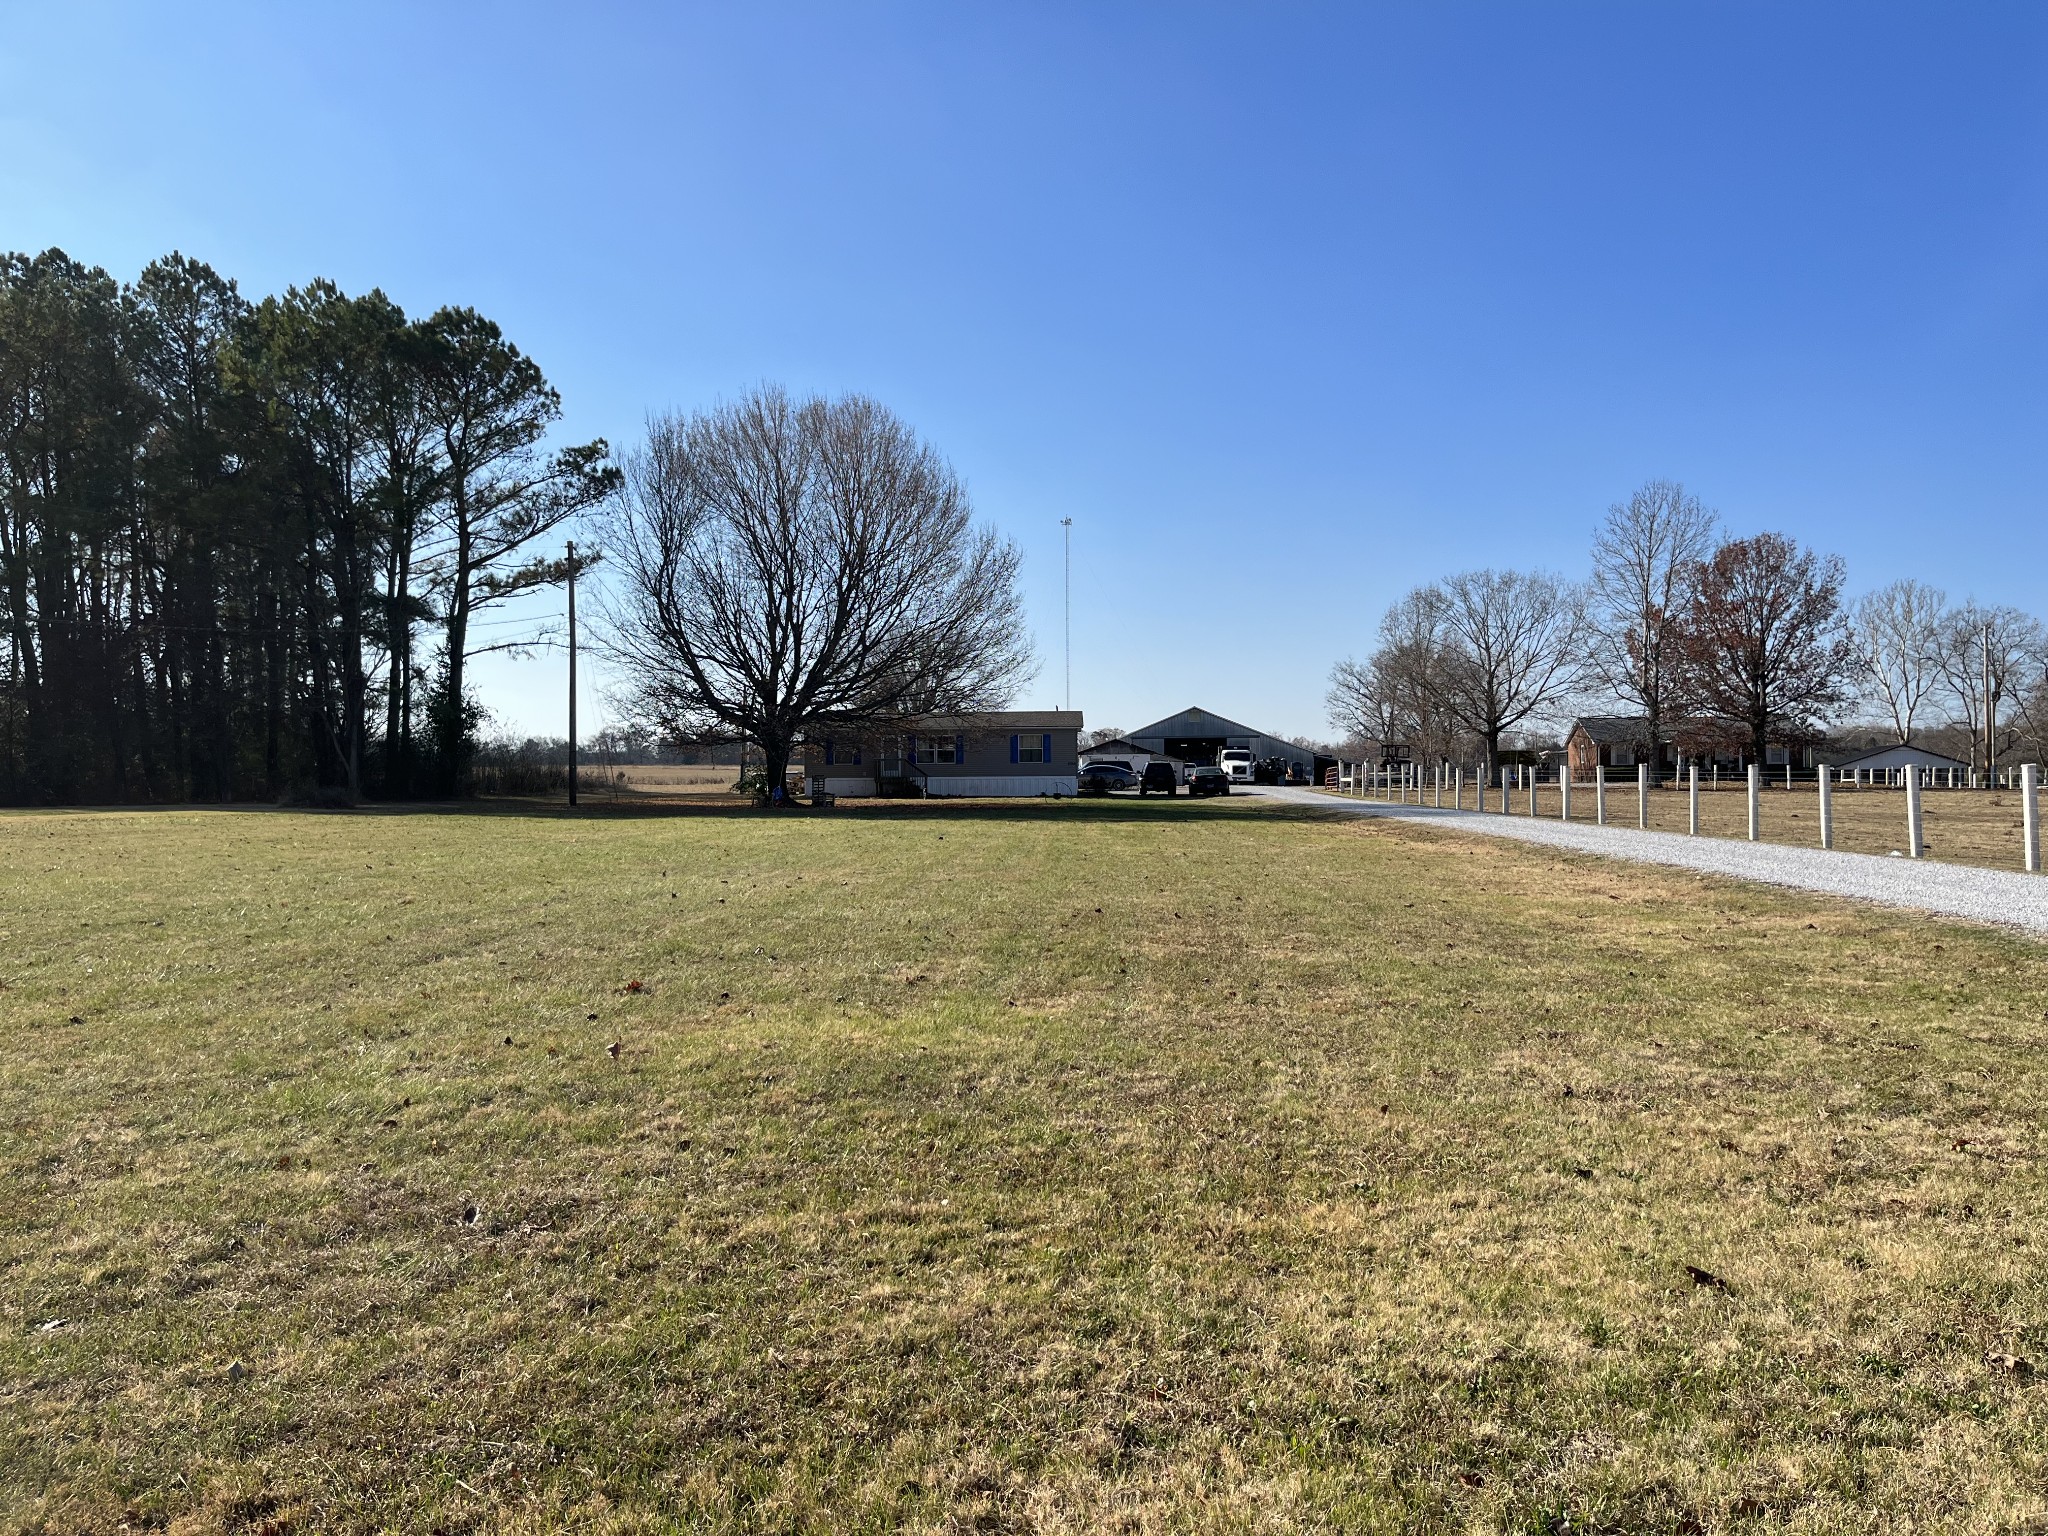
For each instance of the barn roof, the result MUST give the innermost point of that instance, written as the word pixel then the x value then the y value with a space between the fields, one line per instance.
pixel 1193 722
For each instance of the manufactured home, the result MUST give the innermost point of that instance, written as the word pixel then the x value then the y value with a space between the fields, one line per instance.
pixel 1002 752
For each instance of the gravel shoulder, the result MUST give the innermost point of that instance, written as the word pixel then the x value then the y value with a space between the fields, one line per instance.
pixel 2009 898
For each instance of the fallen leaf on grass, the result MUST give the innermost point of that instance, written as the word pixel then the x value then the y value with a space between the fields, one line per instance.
pixel 635 986
pixel 612 1050
pixel 1998 1360
pixel 1710 1280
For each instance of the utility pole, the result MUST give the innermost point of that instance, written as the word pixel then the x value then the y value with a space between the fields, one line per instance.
pixel 1067 600
pixel 572 671
pixel 1990 717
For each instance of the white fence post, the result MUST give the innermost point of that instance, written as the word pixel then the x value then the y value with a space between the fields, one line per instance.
pixel 1535 783
pixel 1600 794
pixel 1693 818
pixel 1507 793
pixel 1756 780
pixel 1915 844
pixel 1564 791
pixel 2030 814
pixel 1827 807
pixel 1642 794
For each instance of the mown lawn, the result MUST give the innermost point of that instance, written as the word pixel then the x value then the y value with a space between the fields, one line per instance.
pixel 1082 1167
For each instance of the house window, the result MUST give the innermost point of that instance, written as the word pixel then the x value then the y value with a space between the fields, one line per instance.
pixel 1029 749
pixel 938 749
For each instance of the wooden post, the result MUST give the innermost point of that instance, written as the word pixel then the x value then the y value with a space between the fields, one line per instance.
pixel 1642 795
pixel 2030 815
pixel 1915 844
pixel 1600 794
pixel 1693 819
pixel 1564 790
pixel 1827 807
pixel 1756 784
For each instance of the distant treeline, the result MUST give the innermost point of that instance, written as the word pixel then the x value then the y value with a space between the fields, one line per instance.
pixel 244 546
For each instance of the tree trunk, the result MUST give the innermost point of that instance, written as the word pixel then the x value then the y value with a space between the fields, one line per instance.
pixel 774 765
pixel 457 646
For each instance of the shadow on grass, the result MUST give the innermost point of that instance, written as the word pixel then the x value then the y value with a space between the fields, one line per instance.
pixel 1089 809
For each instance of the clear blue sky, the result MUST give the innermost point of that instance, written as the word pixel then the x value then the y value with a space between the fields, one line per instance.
pixel 1288 306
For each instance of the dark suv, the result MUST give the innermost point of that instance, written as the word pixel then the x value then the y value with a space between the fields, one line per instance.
pixel 1159 776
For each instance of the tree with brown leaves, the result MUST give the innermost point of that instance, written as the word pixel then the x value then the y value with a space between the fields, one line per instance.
pixel 1764 644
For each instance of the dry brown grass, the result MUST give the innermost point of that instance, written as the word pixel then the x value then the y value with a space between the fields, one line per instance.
pixel 1979 827
pixel 1079 1167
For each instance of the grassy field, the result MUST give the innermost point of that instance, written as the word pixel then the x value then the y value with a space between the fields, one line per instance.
pixel 1064 1168
pixel 1960 826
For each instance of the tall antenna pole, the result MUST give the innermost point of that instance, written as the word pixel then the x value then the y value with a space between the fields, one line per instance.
pixel 1067 603
pixel 1990 717
pixel 572 671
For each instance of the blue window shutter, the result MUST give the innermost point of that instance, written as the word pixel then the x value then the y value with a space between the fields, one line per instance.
pixel 1047 756
pixel 1013 749
pixel 828 751
pixel 960 749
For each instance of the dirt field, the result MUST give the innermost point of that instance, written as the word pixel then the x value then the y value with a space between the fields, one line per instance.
pixel 658 781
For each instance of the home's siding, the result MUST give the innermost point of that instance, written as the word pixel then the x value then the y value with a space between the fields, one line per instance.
pixel 813 781
pixel 1004 784
pixel 987 770
pixel 988 764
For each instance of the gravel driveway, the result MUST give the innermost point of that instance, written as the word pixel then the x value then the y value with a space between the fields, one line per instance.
pixel 1954 890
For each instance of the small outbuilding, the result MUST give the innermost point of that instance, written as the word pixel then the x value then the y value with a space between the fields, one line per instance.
pixel 1119 749
pixel 1880 762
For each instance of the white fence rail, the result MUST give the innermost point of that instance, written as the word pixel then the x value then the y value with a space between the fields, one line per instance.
pixel 1442 785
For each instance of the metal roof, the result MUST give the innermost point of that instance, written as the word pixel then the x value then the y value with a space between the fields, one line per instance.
pixel 1195 724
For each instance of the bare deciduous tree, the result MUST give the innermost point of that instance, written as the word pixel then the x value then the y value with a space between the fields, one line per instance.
pixel 786 566
pixel 1764 644
pixel 1899 632
pixel 1401 692
pixel 1987 655
pixel 1511 642
pixel 1644 556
